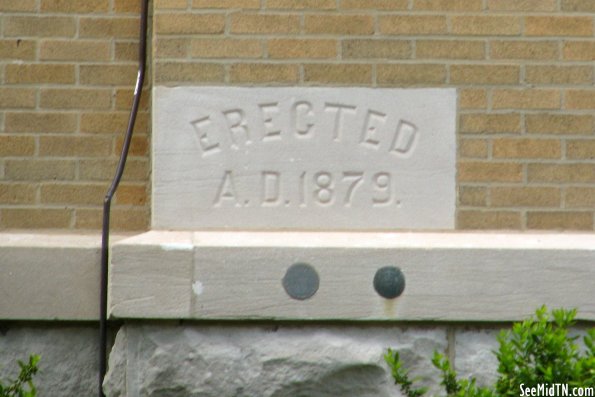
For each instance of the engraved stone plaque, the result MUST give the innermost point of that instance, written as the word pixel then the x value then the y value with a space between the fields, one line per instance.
pixel 304 158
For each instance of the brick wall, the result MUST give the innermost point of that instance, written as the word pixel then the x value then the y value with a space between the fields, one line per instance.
pixel 523 69
pixel 67 71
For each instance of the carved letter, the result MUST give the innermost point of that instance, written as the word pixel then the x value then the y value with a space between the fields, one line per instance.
pixel 301 112
pixel 200 126
pixel 374 121
pixel 339 111
pixel 270 188
pixel 268 111
pixel 404 140
pixel 236 120
pixel 226 191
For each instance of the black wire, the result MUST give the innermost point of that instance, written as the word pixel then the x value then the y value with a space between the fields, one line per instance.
pixel 112 190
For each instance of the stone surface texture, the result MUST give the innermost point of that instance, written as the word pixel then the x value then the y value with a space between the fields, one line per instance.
pixel 267 361
pixel 312 158
pixel 69 357
pixel 474 355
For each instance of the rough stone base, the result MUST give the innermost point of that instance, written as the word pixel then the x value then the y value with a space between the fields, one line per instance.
pixel 275 361
pixel 69 357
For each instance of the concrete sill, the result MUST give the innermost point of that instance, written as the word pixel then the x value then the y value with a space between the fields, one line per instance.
pixel 449 276
pixel 50 275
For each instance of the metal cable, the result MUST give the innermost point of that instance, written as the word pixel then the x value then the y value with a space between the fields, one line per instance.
pixel 138 89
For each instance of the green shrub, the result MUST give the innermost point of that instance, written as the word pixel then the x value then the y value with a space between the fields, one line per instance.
pixel 23 385
pixel 536 351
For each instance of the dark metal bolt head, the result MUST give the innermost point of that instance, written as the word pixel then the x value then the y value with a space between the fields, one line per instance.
pixel 301 281
pixel 389 282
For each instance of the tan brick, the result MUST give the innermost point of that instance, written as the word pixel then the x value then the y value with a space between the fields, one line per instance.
pixel 39 122
pixel 579 50
pixel 449 49
pixel 560 124
pixel 489 220
pixel 578 5
pixel 526 148
pixel 139 146
pixel 514 196
pixel 39 74
pixel 338 74
pixel 484 25
pixel 558 26
pixel 196 72
pixel 75 146
pixel 17 49
pixel 124 6
pixel 111 27
pixel 471 171
pixel 189 23
pixel 483 123
pixel 473 196
pixel 561 173
pixel 39 170
pixel 580 149
pixel 131 195
pixel 175 48
pixel 580 99
pixel 473 98
pixel 226 48
pixel 559 220
pixel 550 74
pixel 526 99
pixel 121 219
pixel 112 123
pixel 264 23
pixel 11 145
pixel 473 148
pixel 170 4
pixel 411 74
pixel 385 5
pixel 21 5
pixel 339 24
pixel 17 193
pixel 300 4
pixel 484 74
pixel 39 26
pixel 522 5
pixel 263 73
pixel 34 218
pixel 529 50
pixel 64 98
pixel 298 48
pixel 126 51
pixel 412 24
pixel 15 98
pixel 382 49
pixel 78 194
pixel 226 4
pixel 103 169
pixel 108 74
pixel 69 6
pixel 580 197
pixel 62 50
pixel 124 99
pixel 448 5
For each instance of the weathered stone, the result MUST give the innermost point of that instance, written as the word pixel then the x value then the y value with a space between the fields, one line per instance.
pixel 306 158
pixel 474 354
pixel 275 361
pixel 69 358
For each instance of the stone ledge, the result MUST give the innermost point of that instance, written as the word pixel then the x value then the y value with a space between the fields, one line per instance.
pixel 49 276
pixel 449 276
